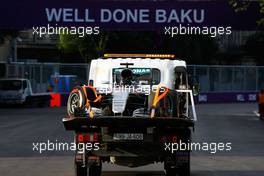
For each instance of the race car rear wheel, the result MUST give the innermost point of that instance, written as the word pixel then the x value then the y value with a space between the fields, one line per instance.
pixel 167 106
pixel 76 101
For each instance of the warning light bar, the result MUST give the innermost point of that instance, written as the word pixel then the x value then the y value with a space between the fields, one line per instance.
pixel 141 55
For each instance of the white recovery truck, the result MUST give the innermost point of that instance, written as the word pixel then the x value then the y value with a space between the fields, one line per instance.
pixel 134 109
pixel 18 91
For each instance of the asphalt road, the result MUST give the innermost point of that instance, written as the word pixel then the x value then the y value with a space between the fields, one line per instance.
pixel 235 123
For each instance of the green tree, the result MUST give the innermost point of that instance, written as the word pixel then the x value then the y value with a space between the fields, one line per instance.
pixel 239 6
pixel 89 46
pixel 7 32
pixel 94 46
pixel 255 46
pixel 194 48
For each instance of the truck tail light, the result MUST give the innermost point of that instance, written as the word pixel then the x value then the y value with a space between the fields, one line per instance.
pixel 88 137
pixel 169 138
pixel 95 137
pixel 83 138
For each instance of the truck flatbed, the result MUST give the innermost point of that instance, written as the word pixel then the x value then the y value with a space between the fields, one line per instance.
pixel 75 123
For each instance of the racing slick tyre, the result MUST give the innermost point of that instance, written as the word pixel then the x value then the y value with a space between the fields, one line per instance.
pixel 80 170
pixel 76 102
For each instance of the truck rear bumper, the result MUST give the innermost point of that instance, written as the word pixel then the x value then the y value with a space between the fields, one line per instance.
pixel 130 150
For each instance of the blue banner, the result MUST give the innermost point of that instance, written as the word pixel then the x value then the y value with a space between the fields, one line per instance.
pixel 127 15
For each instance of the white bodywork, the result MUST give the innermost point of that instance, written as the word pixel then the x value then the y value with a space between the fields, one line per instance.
pixel 101 72
pixel 101 69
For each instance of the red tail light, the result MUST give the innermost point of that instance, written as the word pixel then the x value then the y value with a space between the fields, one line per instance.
pixel 174 139
pixel 169 138
pixel 88 137
pixel 95 137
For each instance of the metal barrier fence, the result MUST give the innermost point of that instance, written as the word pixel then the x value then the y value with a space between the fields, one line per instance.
pixel 212 78
pixel 59 77
pixel 219 78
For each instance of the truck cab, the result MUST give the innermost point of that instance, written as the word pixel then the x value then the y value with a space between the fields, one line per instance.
pixel 106 71
pixel 18 91
pixel 14 90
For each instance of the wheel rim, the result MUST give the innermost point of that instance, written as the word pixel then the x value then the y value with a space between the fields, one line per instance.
pixel 75 101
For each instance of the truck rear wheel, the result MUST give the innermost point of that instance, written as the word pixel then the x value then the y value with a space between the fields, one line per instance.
pixel 181 171
pixel 80 170
pixel 185 170
pixel 95 170
pixel 174 169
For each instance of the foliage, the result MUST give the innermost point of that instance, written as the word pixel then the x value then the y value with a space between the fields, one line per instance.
pixel 239 6
pixel 255 46
pixel 7 32
pixel 194 48
pixel 89 46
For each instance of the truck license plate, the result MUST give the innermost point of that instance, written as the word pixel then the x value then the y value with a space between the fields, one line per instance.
pixel 128 136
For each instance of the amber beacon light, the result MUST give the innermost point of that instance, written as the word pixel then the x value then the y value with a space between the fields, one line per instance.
pixel 141 55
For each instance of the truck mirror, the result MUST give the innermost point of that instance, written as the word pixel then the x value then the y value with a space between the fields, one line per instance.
pixel 196 89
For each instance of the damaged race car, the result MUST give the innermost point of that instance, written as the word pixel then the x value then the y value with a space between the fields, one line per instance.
pixel 133 112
